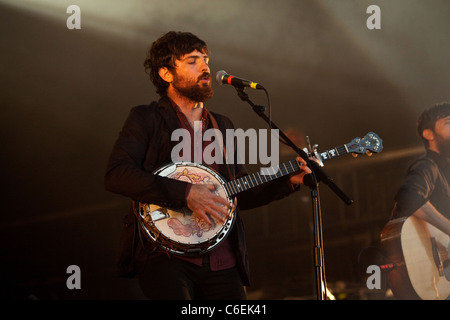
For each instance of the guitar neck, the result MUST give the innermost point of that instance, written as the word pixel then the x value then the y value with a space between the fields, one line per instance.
pixel 255 179
pixel 333 153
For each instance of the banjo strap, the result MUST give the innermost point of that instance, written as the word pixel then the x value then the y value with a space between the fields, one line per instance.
pixel 216 126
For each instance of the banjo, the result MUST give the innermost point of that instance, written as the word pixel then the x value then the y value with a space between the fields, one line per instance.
pixel 180 232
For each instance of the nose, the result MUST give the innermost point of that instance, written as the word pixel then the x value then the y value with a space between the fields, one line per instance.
pixel 204 67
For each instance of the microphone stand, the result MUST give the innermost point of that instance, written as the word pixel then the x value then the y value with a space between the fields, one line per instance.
pixel 312 181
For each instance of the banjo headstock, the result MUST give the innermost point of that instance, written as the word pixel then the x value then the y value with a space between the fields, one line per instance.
pixel 371 143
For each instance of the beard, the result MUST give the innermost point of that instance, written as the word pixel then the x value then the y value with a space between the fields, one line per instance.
pixel 443 145
pixel 197 92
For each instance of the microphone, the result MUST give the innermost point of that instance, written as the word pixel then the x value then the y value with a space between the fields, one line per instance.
pixel 224 78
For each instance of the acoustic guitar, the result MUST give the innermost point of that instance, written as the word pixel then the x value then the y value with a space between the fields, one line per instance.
pixel 418 256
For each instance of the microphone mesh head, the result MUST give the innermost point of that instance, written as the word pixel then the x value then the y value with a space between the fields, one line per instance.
pixel 219 76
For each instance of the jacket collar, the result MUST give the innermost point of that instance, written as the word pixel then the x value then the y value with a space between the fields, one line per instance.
pixel 168 113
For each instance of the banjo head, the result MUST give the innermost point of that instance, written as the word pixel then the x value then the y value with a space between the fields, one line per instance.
pixel 179 231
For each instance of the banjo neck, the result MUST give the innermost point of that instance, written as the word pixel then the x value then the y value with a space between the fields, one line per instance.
pixel 370 143
pixel 266 175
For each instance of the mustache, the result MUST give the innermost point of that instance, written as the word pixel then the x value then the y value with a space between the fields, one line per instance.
pixel 204 76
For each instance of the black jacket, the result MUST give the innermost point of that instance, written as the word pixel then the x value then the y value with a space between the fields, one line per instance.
pixel 427 179
pixel 144 144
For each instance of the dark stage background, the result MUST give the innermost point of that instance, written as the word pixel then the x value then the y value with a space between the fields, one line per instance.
pixel 66 93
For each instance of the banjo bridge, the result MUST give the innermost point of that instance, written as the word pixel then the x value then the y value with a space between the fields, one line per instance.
pixel 159 214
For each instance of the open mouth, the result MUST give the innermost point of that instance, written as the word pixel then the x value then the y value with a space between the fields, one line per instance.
pixel 205 78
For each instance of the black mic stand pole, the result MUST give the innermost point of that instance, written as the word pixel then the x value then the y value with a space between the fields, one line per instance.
pixel 312 181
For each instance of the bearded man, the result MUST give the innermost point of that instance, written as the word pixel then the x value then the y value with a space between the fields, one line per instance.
pixel 425 192
pixel 178 65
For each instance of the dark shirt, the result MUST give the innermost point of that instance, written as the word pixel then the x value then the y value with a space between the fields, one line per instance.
pixel 221 257
pixel 427 179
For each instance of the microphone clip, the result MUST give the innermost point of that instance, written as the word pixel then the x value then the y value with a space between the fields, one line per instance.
pixel 244 97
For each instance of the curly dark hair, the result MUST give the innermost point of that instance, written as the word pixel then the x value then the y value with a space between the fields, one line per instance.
pixel 165 50
pixel 430 116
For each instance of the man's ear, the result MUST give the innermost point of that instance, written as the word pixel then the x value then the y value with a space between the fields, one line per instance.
pixel 165 74
pixel 428 134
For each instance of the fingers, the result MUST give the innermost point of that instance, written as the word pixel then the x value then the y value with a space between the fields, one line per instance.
pixel 303 165
pixel 300 160
pixel 216 198
pixel 203 202
pixel 297 178
pixel 211 187
pixel 219 213
pixel 211 210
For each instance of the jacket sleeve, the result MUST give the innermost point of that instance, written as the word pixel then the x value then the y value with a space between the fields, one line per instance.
pixel 125 173
pixel 416 188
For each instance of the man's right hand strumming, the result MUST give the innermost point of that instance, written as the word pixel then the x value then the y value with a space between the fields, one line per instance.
pixel 202 201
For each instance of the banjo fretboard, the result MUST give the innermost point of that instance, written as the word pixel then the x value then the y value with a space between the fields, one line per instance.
pixel 335 152
pixel 258 178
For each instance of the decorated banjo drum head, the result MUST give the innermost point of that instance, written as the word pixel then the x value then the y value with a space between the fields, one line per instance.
pixel 179 231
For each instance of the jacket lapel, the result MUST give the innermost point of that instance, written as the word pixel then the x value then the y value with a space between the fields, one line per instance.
pixel 168 114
